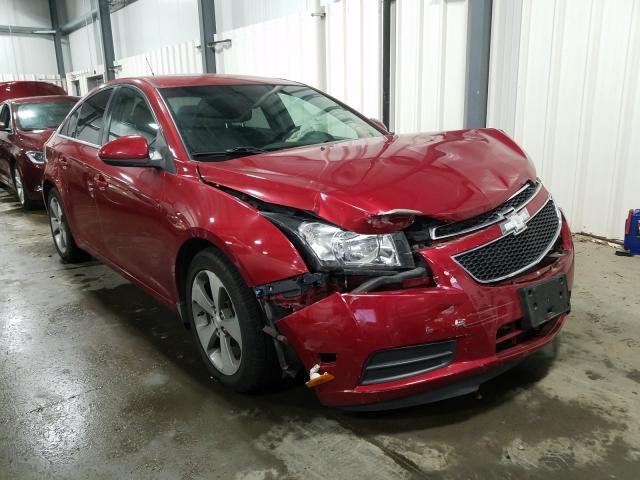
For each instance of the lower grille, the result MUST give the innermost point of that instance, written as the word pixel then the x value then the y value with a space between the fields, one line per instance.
pixel 513 334
pixel 397 363
pixel 513 254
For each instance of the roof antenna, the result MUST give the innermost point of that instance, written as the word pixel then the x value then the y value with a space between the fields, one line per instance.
pixel 149 65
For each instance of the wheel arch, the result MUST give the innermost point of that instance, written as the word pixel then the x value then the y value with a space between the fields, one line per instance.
pixel 47 185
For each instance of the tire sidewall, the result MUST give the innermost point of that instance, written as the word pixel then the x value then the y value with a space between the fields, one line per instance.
pixel 65 256
pixel 25 202
pixel 214 262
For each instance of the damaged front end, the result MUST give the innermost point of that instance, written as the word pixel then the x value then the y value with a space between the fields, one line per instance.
pixel 339 261
pixel 416 308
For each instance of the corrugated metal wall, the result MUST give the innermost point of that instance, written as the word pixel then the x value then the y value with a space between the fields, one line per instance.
pixel 181 58
pixel 430 53
pixel 565 83
pixel 283 48
pixel 353 54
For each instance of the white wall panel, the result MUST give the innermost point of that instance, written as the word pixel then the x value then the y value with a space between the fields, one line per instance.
pixel 174 59
pixel 575 101
pixel 84 47
pixel 26 54
pixel 353 54
pixel 232 14
pixel 283 48
pixel 431 39
pixel 149 25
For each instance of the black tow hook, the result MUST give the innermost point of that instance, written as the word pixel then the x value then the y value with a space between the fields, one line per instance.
pixel 378 282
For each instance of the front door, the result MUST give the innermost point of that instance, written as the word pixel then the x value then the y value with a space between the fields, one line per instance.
pixel 136 231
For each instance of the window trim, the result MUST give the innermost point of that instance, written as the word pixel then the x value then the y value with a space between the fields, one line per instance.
pixel 106 109
pixel 8 107
pixel 77 108
pixel 108 113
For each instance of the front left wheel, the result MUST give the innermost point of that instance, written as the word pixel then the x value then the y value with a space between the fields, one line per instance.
pixel 18 184
pixel 227 324
pixel 62 238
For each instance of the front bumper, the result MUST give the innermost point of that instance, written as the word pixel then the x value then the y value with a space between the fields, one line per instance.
pixel 354 326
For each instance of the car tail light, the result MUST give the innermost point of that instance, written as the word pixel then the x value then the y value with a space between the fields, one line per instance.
pixel 627 224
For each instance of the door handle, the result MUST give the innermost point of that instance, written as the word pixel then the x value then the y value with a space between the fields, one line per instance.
pixel 100 182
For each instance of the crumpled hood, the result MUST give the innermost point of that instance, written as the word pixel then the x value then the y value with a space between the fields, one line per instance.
pixel 448 176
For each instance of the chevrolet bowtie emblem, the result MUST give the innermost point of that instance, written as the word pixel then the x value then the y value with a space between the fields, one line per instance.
pixel 515 222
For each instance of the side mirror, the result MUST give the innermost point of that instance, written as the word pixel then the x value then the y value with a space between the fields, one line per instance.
pixel 379 123
pixel 129 151
pixel 4 127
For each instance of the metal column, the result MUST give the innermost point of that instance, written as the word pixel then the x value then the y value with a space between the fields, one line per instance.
pixel 478 50
pixel 57 36
pixel 207 19
pixel 386 62
pixel 104 16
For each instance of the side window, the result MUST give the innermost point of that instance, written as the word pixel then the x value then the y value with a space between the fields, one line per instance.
pixel 69 127
pixel 91 118
pixel 130 115
pixel 5 116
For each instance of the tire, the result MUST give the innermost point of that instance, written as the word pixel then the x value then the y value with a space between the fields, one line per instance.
pixel 18 185
pixel 228 331
pixel 60 231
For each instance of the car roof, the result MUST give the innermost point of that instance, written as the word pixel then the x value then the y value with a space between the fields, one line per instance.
pixel 43 99
pixel 163 81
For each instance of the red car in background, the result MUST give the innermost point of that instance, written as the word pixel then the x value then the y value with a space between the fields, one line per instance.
pixel 28 88
pixel 292 233
pixel 25 124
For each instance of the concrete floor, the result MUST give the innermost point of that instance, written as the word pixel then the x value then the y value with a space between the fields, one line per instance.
pixel 97 381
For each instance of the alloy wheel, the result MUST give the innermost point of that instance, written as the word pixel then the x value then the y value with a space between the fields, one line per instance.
pixel 216 322
pixel 17 180
pixel 58 226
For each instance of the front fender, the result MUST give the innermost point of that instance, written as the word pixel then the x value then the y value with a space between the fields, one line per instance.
pixel 260 251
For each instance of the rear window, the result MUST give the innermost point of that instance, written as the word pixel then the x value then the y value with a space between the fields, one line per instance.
pixel 39 116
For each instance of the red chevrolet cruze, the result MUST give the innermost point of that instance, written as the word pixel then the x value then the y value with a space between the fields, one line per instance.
pixel 292 233
pixel 25 125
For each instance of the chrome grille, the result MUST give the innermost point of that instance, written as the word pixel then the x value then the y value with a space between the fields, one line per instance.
pixel 514 254
pixel 517 201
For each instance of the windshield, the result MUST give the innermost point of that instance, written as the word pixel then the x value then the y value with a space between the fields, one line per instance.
pixel 218 122
pixel 40 116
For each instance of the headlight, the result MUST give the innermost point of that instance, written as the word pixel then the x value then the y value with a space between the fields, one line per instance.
pixel 35 156
pixel 334 248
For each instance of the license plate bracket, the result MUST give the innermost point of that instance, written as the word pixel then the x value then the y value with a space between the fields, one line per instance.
pixel 544 300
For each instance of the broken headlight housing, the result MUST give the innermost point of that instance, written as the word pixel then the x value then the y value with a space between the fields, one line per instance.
pixel 331 248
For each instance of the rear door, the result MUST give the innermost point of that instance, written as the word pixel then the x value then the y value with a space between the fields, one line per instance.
pixel 77 157
pixel 137 235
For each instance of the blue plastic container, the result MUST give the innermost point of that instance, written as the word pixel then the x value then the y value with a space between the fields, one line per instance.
pixel 632 232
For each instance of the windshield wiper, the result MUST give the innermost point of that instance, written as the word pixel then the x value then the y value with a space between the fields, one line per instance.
pixel 243 150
